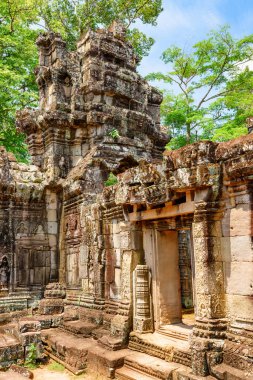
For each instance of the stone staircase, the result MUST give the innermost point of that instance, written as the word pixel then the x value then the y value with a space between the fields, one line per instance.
pixel 16 337
pixel 164 354
pixel 82 340
pixel 77 353
pixel 140 366
pixel 67 349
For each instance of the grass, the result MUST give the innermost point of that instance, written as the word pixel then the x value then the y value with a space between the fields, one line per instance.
pixel 54 366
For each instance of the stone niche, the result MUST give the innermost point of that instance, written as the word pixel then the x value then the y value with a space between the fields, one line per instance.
pixel 160 263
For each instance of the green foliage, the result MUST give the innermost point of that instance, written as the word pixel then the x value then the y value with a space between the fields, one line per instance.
pixel 111 180
pixel 20 23
pixel 114 133
pixel 141 43
pixel 13 140
pixel 18 57
pixel 31 357
pixel 214 89
pixel 72 17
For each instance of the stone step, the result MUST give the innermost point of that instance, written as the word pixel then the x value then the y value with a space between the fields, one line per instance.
pixel 79 327
pixel 11 350
pixel 111 342
pixel 177 331
pixel 226 372
pixel 126 373
pixel 8 340
pixel 30 337
pixel 151 365
pixel 161 346
pixel 45 321
pixel 105 362
pixel 100 332
pixel 67 348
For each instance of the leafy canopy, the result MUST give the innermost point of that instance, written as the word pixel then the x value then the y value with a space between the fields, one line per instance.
pixel 20 23
pixel 73 17
pixel 18 57
pixel 211 89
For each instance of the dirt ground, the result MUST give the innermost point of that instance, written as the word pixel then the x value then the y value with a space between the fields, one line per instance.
pixel 51 372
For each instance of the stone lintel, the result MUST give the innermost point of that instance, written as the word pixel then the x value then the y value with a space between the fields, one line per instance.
pixel 163 212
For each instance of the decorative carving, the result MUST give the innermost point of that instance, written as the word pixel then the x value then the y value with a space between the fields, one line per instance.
pixel 143 315
pixel 4 273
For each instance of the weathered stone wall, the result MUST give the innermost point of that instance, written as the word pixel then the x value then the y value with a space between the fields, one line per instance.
pixel 27 237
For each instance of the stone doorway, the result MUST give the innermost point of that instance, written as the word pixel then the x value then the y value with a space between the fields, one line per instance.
pixel 174 279
pixel 187 271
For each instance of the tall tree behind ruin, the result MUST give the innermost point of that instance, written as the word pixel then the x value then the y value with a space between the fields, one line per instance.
pixel 20 23
pixel 211 89
pixel 18 57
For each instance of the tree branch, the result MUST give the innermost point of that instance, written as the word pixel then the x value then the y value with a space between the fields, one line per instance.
pixel 213 82
pixel 136 12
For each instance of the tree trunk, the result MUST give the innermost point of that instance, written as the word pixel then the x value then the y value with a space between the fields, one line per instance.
pixel 188 133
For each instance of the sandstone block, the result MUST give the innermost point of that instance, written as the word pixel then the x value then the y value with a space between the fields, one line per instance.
pixel 239 307
pixel 239 278
pixel 240 220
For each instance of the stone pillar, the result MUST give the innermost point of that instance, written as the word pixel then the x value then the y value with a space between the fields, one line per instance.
pixel 53 303
pixel 210 328
pixel 53 234
pixel 185 267
pixel 142 303
pixel 238 273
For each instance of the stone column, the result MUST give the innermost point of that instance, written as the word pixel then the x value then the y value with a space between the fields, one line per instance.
pixel 210 328
pixel 238 273
pixel 143 316
pixel 53 234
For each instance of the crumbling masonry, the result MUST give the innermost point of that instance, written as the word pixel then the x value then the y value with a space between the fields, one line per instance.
pixel 150 278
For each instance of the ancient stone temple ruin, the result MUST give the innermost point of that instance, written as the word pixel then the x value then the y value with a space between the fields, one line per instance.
pixel 151 278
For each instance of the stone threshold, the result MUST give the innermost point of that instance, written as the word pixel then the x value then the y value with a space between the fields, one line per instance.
pixel 168 348
pixel 177 331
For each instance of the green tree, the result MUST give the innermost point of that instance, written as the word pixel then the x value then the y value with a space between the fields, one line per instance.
pixel 20 23
pixel 212 89
pixel 18 57
pixel 74 17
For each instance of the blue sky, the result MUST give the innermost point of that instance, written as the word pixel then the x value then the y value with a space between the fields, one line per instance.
pixel 184 22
